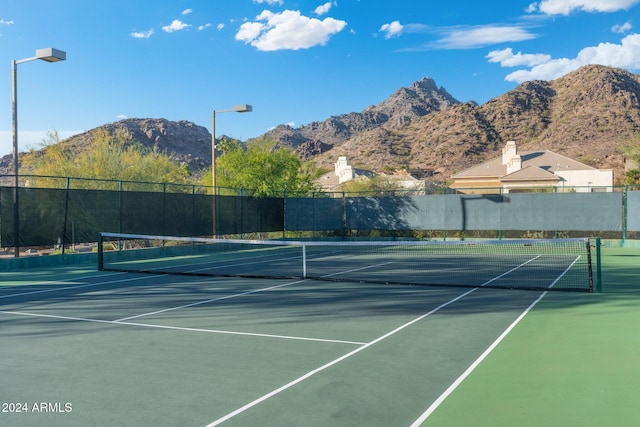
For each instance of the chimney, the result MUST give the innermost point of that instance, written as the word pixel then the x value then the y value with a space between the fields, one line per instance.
pixel 514 165
pixel 508 152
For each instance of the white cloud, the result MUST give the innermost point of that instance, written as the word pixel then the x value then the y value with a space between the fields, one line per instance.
pixel 220 26
pixel 624 55
pixel 622 28
pixel 202 27
pixel 507 58
pixel 288 30
pixel 250 32
pixel 176 25
pixel 473 37
pixel 186 11
pixel 393 29
pixel 3 22
pixel 141 34
pixel 270 2
pixel 323 9
pixel 565 7
pixel 532 8
pixel 122 116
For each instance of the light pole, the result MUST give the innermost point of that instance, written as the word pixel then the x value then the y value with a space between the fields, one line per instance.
pixel 242 108
pixel 50 55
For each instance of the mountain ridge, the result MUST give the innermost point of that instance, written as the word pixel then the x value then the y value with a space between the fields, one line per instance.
pixel 583 115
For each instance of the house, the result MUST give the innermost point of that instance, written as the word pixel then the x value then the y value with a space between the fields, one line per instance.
pixel 529 170
pixel 343 172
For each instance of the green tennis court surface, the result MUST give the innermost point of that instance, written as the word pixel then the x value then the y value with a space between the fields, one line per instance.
pixel 80 347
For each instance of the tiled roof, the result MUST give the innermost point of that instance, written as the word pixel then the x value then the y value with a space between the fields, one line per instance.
pixel 546 160
pixel 530 173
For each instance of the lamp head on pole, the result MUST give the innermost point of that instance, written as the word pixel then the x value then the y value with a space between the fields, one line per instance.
pixel 243 108
pixel 51 55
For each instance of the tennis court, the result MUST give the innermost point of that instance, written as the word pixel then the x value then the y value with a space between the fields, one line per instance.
pixel 85 347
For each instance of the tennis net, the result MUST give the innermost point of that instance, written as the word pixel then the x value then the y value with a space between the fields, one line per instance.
pixel 536 264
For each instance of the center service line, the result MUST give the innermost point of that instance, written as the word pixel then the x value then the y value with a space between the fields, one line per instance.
pixel 333 362
pixel 359 349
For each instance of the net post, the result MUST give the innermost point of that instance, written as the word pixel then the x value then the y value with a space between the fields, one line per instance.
pixel 304 260
pixel 589 264
pixel 598 267
pixel 100 259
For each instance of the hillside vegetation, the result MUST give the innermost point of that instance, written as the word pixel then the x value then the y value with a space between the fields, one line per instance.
pixel 586 115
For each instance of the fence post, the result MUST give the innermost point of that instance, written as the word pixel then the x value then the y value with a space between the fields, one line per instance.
pixel 241 195
pixel 100 254
pixel 624 213
pixel 193 211
pixel 164 209
pixel 66 215
pixel 119 210
pixel 16 218
pixel 344 214
pixel 284 214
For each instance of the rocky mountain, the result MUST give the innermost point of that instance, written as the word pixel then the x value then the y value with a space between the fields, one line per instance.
pixel 583 115
pixel 406 104
pixel 182 141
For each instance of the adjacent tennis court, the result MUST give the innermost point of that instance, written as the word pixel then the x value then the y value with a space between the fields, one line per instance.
pixel 86 347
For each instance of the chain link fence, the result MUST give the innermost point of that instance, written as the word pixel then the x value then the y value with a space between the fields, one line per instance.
pixel 61 213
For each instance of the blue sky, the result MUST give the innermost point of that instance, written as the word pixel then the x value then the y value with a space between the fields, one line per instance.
pixel 295 62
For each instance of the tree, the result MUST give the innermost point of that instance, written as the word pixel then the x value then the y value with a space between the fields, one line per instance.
pixel 108 157
pixel 377 186
pixel 632 176
pixel 630 147
pixel 266 168
pixel 227 145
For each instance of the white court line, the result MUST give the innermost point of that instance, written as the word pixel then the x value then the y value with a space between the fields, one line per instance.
pixel 474 365
pixel 193 304
pixel 285 284
pixel 335 361
pixel 245 263
pixel 356 351
pixel 510 271
pixel 357 269
pixel 483 356
pixel 177 328
pixel 71 287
